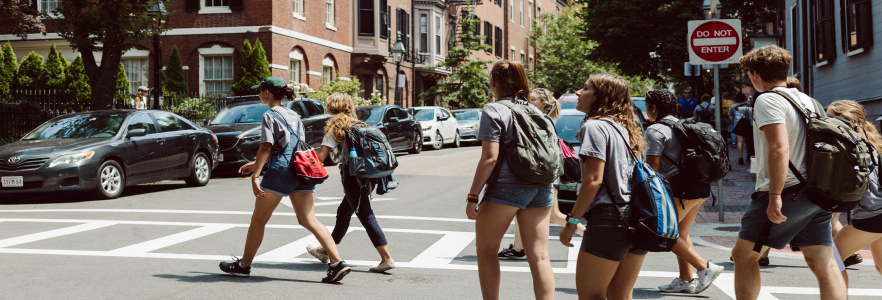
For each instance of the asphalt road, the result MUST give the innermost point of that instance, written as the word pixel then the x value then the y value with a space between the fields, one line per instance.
pixel 164 241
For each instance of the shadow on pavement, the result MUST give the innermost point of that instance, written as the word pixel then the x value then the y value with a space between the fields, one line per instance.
pixel 650 293
pixel 83 196
pixel 200 277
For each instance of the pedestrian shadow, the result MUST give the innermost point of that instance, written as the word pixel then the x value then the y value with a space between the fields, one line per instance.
pixel 650 293
pixel 202 277
pixel 85 196
pixel 474 259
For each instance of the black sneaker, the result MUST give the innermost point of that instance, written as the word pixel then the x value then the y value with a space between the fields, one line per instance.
pixel 335 274
pixel 511 253
pixel 853 260
pixel 233 268
pixel 741 161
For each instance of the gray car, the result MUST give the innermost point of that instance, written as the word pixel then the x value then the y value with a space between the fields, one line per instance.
pixel 469 123
pixel 105 151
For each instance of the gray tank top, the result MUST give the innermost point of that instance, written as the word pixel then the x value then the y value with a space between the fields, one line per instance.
pixel 871 202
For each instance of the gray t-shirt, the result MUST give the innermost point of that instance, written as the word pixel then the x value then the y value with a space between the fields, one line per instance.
pixel 871 201
pixel 662 142
pixel 736 112
pixel 496 124
pixel 600 140
pixel 275 133
pixel 703 106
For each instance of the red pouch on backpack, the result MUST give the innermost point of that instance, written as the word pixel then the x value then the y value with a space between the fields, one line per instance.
pixel 308 169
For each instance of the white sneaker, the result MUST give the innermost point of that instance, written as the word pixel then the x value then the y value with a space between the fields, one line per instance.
pixel 384 266
pixel 707 276
pixel 679 286
pixel 312 249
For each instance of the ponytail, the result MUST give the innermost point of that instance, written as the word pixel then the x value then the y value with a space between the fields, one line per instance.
pixel 283 93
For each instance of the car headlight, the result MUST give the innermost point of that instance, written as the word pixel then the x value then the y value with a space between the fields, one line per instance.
pixel 71 158
pixel 250 135
pixel 473 127
pixel 427 128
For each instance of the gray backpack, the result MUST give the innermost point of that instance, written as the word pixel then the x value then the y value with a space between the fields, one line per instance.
pixel 535 156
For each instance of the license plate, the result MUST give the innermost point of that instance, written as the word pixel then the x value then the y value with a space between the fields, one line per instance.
pixel 220 157
pixel 12 181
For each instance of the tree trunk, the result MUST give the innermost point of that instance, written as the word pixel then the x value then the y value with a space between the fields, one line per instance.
pixel 103 78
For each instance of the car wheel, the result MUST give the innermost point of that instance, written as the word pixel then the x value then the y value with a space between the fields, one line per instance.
pixel 417 143
pixel 111 180
pixel 200 170
pixel 456 140
pixel 439 142
pixel 333 159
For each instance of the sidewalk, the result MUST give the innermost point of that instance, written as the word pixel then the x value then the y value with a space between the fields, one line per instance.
pixel 737 187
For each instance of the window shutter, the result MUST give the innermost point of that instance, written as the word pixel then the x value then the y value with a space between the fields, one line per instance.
pixel 384 20
pixel 237 4
pixel 190 5
pixel 825 32
pixel 407 30
pixel 864 11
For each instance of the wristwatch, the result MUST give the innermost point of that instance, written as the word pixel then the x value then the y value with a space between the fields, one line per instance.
pixel 572 220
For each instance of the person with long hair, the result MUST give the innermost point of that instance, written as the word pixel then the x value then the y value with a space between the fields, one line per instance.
pixel 546 103
pixel 357 191
pixel 664 156
pixel 507 195
pixel 278 142
pixel 735 116
pixel 612 142
pixel 866 220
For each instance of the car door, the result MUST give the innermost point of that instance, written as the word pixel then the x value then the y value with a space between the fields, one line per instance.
pixel 177 141
pixel 145 156
pixel 315 123
pixel 394 126
pixel 409 130
pixel 447 123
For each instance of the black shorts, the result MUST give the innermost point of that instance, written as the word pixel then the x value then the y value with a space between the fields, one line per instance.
pixel 607 235
pixel 871 224
pixel 684 189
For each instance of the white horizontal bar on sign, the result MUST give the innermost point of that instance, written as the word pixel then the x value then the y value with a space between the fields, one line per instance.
pixel 715 41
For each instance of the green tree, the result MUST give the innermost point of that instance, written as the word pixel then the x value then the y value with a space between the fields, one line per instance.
pixel 29 72
pixel 259 64
pixel 52 77
pixel 173 81
pixel 20 18
pixel 351 87
pixel 467 85
pixel 8 67
pixel 77 88
pixel 123 85
pixel 241 85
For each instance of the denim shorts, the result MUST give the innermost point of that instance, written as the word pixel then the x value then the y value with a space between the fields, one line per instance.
pixel 607 235
pixel 806 225
pixel 279 180
pixel 522 198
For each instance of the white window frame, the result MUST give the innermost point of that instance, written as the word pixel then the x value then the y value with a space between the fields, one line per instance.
pixel 439 30
pixel 521 10
pixel 523 58
pixel 327 69
pixel 424 33
pixel 294 66
pixel 143 58
pixel 511 10
pixel 210 10
pixel 42 9
pixel 530 15
pixel 298 10
pixel 215 50
pixel 329 15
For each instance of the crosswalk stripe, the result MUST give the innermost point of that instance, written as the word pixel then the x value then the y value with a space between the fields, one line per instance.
pixel 173 239
pixel 442 252
pixel 54 233
pixel 222 212
pixel 289 252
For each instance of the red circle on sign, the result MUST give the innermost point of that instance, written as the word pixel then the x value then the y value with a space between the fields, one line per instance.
pixel 714 41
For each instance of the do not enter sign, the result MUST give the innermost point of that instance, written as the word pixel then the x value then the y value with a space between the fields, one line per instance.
pixel 714 42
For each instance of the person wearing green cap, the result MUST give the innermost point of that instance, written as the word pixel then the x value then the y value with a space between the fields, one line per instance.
pixel 277 144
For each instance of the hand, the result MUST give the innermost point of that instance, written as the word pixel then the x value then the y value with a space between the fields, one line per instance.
pixel 246 168
pixel 255 187
pixel 566 234
pixel 774 210
pixel 472 210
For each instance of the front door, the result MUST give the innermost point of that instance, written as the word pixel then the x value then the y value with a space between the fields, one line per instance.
pixel 145 155
pixel 178 141
pixel 394 132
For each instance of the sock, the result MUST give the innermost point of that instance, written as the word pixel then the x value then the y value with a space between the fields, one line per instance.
pixel 335 264
pixel 240 265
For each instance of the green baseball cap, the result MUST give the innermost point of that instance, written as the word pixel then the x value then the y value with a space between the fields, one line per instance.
pixel 272 84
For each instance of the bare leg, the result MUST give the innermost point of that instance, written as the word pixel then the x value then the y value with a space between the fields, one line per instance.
pixel 765 253
pixel 684 249
pixel 490 226
pixel 740 140
pixel 535 235
pixel 384 253
pixel 876 250
pixel 263 210
pixel 830 281
pixel 304 208
pixel 594 276
pixel 518 243
pixel 851 240
pixel 622 285
pixel 837 226
pixel 747 272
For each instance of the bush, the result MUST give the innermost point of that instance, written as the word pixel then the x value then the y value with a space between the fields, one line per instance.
pixel 8 67
pixel 4 141
pixel 253 68
pixel 29 72
pixel 123 86
pixel 192 108
pixel 52 77
pixel 77 87
pixel 173 81
pixel 351 87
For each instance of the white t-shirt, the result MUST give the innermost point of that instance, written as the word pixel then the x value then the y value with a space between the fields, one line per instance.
pixel 332 143
pixel 771 108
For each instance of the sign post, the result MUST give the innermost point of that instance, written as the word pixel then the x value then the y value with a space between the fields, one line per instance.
pixel 715 42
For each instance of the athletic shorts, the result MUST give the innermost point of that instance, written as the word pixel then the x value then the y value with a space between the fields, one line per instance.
pixel 684 189
pixel 806 225
pixel 607 235
pixel 871 224
pixel 522 198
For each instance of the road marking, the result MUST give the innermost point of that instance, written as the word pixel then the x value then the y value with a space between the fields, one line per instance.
pixel 173 239
pixel 289 252
pixel 225 212
pixel 443 251
pixel 287 201
pixel 54 233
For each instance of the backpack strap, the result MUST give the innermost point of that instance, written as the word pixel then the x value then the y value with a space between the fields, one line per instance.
pixel 805 116
pixel 606 183
pixel 295 136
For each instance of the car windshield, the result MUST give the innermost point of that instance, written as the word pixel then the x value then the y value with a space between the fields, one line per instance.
pixel 79 126
pixel 568 105
pixel 567 126
pixel 640 103
pixel 464 115
pixel 370 115
pixel 425 114
pixel 240 114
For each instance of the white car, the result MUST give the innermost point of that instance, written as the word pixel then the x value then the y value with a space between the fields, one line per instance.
pixel 439 126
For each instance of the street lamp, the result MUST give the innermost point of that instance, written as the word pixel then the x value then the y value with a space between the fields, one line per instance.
pixel 160 21
pixel 711 9
pixel 398 56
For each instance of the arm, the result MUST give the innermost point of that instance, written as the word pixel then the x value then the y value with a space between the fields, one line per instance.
pixel 323 152
pixel 489 155
pixel 262 155
pixel 779 158
pixel 592 179
pixel 653 161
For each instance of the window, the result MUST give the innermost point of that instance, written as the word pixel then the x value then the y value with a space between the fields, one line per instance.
pixel 530 63
pixel 365 17
pixel 327 74
pixel 401 114
pixel 530 15
pixel 384 19
pixel 512 56
pixel 137 70
pixel 477 26
pixel 424 33
pixel 312 108
pixel 167 122
pixel 521 12
pixel 380 84
pixel 488 36
pixel 142 121
pixel 438 30
pixel 329 13
pixel 498 44
pixel 825 34
pixel 403 27
pixel 523 60
pixel 858 24
pixel 498 2
pixel 218 74
pixel 794 38
pixel 294 69
pixel 217 3
pixel 49 5
pixel 298 8
pixel 511 10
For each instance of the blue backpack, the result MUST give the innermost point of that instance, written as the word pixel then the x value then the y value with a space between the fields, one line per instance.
pixel 654 220
pixel 375 158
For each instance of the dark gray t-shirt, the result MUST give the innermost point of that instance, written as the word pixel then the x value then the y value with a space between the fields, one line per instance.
pixel 496 124
pixel 662 142
pixel 871 201
pixel 275 133
pixel 600 140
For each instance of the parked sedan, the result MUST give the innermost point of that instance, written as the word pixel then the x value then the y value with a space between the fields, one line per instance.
pixel 238 128
pixel 401 129
pixel 469 123
pixel 439 126
pixel 105 151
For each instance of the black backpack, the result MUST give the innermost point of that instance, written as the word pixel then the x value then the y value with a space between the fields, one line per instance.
pixel 375 158
pixel 703 152
pixel 705 114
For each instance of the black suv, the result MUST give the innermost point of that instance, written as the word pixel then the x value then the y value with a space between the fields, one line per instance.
pixel 238 128
pixel 402 130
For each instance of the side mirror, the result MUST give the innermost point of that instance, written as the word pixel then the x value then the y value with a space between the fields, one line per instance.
pixel 205 123
pixel 136 132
